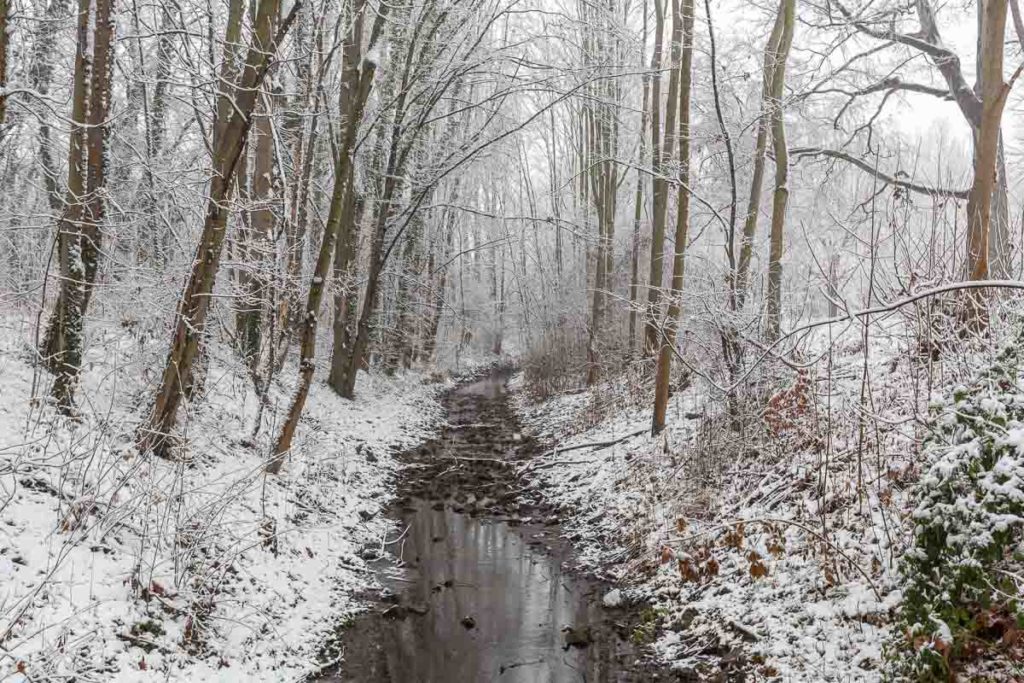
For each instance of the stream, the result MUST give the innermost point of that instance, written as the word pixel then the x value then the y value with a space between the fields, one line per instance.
pixel 476 588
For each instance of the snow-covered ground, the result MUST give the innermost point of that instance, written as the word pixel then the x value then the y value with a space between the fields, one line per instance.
pixel 120 567
pixel 762 544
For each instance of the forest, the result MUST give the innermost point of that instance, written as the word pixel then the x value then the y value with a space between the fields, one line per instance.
pixel 511 340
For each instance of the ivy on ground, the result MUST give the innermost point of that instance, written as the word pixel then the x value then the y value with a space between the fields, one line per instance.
pixel 961 575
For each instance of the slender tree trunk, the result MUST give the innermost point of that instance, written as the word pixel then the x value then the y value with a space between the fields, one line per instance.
pixel 1000 254
pixel 448 226
pixel 256 239
pixel 96 144
pixel 993 95
pixel 346 297
pixel 781 195
pixel 5 9
pixel 400 354
pixel 303 156
pixel 638 202
pixel 151 242
pixel 663 374
pixel 771 50
pixel 659 193
pixel 231 131
pixel 357 82
pixel 40 75
pixel 62 346
pixel 360 345
pixel 437 308
pixel 603 188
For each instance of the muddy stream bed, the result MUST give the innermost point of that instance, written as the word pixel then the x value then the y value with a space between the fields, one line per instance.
pixel 476 587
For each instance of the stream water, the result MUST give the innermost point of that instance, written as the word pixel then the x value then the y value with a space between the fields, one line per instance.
pixel 477 589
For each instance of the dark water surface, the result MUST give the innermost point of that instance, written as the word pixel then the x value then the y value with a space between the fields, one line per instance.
pixel 477 598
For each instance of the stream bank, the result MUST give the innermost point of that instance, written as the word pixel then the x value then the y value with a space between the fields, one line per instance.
pixel 476 584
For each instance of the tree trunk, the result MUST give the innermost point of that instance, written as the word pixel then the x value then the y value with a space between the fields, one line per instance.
pixel 62 345
pixel 40 75
pixel 993 93
pixel 346 296
pixel 781 195
pixel 638 206
pixel 661 154
pixel 771 49
pixel 357 80
pixel 256 240
pixel 1000 250
pixel 663 373
pixel 230 132
pixel 5 9
pixel 603 175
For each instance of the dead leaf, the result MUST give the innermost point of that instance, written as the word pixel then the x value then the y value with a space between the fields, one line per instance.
pixel 688 570
pixel 757 567
pixel 734 536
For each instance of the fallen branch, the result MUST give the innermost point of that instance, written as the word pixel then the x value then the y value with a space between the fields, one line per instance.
pixel 596 445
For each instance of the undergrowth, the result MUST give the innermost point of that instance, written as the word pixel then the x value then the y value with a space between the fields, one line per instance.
pixel 962 575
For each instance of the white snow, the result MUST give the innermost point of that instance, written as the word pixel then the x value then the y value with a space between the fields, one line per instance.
pixel 645 510
pixel 105 554
pixel 612 598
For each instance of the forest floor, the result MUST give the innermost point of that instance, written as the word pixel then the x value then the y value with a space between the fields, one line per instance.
pixel 756 552
pixel 765 555
pixel 120 567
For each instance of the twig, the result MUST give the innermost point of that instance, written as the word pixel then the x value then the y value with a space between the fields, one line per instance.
pixel 775 520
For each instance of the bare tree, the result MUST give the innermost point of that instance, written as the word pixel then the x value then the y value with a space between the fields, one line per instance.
pixel 787 14
pixel 671 329
pixel 80 228
pixel 236 103
pixel 5 11
pixel 993 91
pixel 358 72
pixel 927 40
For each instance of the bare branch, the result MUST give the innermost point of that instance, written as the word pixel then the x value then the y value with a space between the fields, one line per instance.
pixel 803 152
pixel 928 41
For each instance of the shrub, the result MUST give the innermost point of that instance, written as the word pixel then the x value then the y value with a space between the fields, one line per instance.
pixel 960 593
pixel 557 363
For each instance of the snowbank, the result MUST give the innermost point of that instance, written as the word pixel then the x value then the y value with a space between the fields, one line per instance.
pixel 120 567
pixel 757 550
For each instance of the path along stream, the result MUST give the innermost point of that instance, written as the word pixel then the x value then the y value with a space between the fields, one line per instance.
pixel 476 588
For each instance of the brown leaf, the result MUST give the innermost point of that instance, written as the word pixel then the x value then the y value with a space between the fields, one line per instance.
pixel 688 570
pixel 142 664
pixel 757 567
pixel 734 536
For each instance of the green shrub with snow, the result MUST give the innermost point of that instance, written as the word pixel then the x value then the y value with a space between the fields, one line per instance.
pixel 961 574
